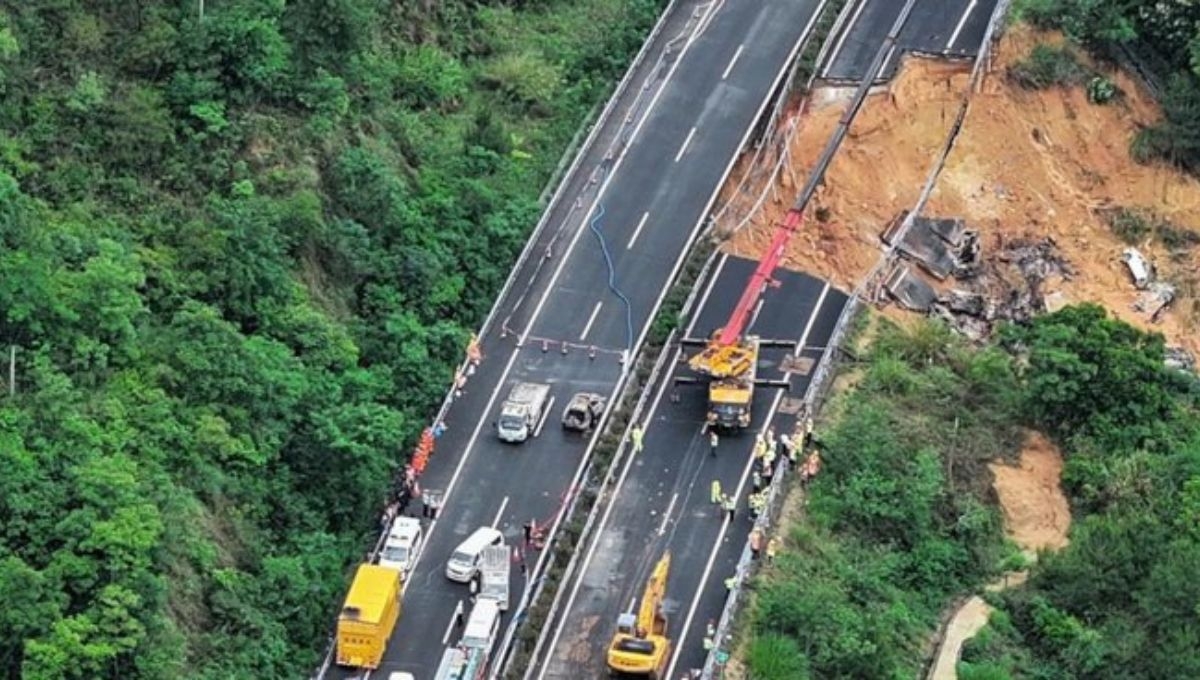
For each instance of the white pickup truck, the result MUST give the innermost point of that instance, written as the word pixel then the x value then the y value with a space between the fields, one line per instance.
pixel 522 411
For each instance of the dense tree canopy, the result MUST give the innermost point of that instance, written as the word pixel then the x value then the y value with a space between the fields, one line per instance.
pixel 1121 600
pixel 239 254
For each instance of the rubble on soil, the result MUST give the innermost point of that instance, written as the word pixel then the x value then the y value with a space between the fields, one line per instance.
pixel 1180 359
pixel 1008 285
pixel 1155 299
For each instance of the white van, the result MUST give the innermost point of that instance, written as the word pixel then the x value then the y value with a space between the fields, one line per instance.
pixel 464 563
pixel 482 627
pixel 403 545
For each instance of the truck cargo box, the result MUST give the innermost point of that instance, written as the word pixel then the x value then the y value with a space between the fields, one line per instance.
pixel 368 616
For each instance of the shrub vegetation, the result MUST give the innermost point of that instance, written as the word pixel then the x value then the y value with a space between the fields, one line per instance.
pixel 901 520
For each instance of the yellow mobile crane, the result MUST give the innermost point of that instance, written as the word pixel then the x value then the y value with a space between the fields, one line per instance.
pixel 641 646
pixel 730 357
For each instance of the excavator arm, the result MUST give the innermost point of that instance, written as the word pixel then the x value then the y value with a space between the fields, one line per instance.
pixel 652 599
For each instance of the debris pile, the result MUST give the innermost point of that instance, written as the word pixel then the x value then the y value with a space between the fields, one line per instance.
pixel 1180 359
pixel 1008 286
pixel 1155 299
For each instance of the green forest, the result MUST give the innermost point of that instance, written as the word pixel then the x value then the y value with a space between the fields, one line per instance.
pixel 242 245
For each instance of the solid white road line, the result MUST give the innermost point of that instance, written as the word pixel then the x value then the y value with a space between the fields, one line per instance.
pixel 886 60
pixel 757 308
pixel 500 512
pixel 638 231
pixel 687 140
pixel 450 626
pixel 741 484
pixel 591 319
pixel 704 298
pixel 545 414
pixel 736 56
pixel 667 515
pixel 961 22
pixel 842 40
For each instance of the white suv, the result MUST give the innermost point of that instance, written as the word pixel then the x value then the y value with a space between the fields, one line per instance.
pixel 403 545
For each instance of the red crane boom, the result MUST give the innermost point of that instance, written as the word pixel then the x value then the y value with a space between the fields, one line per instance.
pixel 760 279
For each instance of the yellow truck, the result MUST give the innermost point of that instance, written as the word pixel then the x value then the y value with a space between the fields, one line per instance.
pixel 368 616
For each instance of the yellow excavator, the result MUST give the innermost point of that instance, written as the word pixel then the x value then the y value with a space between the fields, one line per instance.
pixel 640 646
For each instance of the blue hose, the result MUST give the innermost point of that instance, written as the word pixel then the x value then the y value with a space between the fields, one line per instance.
pixel 593 224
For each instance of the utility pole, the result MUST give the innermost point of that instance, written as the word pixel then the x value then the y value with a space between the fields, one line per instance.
pixel 201 10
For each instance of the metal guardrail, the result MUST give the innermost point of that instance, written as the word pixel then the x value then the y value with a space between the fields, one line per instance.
pixel 825 368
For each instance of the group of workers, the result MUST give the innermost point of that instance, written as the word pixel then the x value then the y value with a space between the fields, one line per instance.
pixel 766 459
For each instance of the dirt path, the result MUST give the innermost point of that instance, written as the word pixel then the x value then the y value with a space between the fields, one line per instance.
pixel 1036 517
pixel 967 621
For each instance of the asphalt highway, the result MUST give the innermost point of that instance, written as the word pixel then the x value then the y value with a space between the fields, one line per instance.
pixel 662 498
pixel 647 201
pixel 945 27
